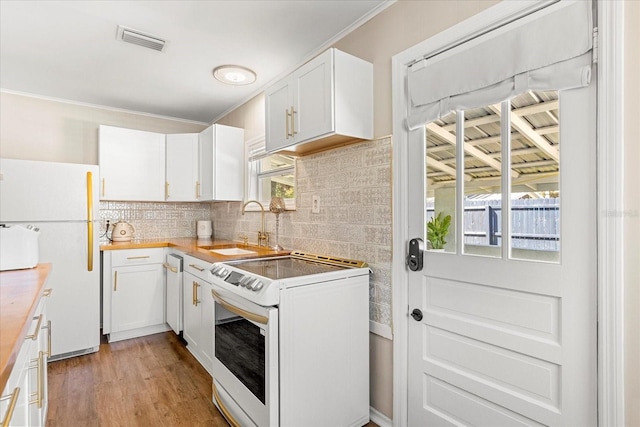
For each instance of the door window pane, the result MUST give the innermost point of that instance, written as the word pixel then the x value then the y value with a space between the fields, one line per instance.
pixel 535 193
pixel 482 220
pixel 441 184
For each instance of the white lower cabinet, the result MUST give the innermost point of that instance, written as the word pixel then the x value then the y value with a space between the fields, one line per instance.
pixel 24 400
pixel 133 293
pixel 198 311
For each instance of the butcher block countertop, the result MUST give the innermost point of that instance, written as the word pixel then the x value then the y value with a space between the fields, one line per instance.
pixel 20 292
pixel 197 248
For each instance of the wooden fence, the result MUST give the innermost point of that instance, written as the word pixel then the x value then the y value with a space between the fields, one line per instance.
pixel 535 223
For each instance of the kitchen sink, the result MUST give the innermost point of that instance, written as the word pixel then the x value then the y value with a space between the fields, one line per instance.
pixel 231 251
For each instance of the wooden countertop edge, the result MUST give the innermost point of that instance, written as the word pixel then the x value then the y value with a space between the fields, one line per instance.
pixel 195 248
pixel 31 282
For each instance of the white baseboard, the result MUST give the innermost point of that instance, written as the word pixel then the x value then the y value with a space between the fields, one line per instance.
pixel 379 418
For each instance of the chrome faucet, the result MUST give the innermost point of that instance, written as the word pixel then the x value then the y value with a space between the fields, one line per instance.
pixel 262 236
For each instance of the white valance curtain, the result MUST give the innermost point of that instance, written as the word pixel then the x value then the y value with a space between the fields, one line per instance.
pixel 549 49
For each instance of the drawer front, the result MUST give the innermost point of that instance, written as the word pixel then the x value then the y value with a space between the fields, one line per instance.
pixel 197 267
pixel 137 256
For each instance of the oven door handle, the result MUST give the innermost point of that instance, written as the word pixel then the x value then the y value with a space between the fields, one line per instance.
pixel 223 408
pixel 239 311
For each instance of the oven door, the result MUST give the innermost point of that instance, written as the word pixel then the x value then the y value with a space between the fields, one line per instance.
pixel 245 362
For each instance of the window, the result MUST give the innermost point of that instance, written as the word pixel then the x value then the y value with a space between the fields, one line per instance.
pixel 534 194
pixel 269 175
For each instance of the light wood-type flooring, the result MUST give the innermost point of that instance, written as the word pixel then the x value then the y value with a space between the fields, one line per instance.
pixel 147 381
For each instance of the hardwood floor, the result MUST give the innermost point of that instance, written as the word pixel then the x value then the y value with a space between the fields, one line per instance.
pixel 147 381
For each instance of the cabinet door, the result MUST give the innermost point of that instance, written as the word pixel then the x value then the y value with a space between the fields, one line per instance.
pixel 174 293
pixel 278 103
pixel 137 297
pixel 206 338
pixel 313 103
pixel 205 164
pixel 228 163
pixel 132 164
pixel 191 309
pixel 221 160
pixel 182 167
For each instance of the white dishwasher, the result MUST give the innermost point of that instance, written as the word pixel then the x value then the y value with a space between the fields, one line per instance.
pixel 173 268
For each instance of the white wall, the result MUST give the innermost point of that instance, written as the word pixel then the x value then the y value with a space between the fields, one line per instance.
pixel 48 130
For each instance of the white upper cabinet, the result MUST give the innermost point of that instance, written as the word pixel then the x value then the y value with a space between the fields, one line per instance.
pixel 132 164
pixel 221 160
pixel 182 168
pixel 189 167
pixel 326 102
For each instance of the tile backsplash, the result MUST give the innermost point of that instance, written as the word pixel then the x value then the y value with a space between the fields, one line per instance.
pixel 156 220
pixel 354 187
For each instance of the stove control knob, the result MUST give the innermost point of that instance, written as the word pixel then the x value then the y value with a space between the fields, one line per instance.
pixel 214 269
pixel 250 283
pixel 257 286
pixel 244 281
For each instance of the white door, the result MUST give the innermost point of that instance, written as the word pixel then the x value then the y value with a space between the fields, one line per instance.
pixel 504 327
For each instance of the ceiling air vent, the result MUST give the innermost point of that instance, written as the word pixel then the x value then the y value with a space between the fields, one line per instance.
pixel 141 39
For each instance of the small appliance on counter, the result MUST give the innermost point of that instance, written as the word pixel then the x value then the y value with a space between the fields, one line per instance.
pixel 204 229
pixel 122 231
pixel 18 247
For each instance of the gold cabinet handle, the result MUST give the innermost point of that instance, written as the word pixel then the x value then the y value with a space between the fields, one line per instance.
pixel 48 328
pixel 47 292
pixel 12 405
pixel 286 123
pixel 197 189
pixel 239 311
pixel 166 190
pixel 34 335
pixel 197 267
pixel 139 257
pixel 90 220
pixel 168 267
pixel 194 291
pixel 102 187
pixel 115 281
pixel 38 396
pixel 293 121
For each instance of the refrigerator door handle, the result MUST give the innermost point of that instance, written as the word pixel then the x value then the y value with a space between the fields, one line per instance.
pixel 90 221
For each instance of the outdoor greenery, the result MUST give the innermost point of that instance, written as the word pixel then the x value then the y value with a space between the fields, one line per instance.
pixel 437 230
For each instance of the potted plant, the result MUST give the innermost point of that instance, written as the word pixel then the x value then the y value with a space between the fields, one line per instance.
pixel 437 230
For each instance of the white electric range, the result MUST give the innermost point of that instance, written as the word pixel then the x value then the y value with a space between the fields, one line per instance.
pixel 291 341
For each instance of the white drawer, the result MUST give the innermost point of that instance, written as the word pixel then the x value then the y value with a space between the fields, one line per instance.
pixel 197 267
pixel 124 257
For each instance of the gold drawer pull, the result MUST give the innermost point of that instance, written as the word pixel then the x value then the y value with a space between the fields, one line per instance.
pixel 197 267
pixel 34 335
pixel 12 405
pixel 168 267
pixel 139 257
pixel 47 292
pixel 115 281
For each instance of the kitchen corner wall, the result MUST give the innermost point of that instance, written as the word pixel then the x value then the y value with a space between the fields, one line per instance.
pixel 156 220
pixel 354 187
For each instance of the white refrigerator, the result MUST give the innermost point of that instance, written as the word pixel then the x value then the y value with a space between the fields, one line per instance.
pixel 61 199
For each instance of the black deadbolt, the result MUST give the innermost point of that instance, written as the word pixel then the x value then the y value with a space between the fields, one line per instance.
pixel 416 314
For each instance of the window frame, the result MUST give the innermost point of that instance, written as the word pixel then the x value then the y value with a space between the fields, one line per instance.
pixel 255 150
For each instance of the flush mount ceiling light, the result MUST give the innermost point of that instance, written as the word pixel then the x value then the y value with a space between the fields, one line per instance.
pixel 234 75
